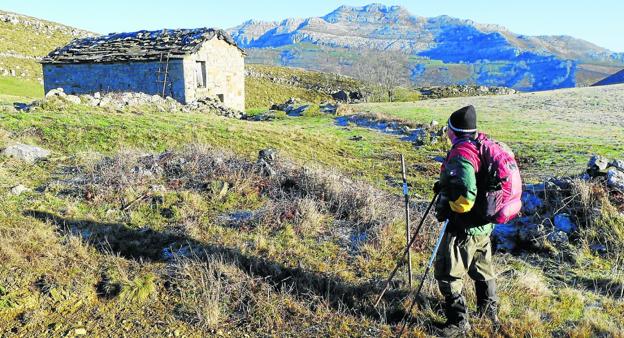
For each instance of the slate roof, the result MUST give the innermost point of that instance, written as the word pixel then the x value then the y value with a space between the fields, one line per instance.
pixel 136 46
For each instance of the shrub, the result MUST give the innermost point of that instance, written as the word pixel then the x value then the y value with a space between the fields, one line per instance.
pixel 139 290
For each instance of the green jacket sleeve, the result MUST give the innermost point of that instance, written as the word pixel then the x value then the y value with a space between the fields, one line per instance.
pixel 461 184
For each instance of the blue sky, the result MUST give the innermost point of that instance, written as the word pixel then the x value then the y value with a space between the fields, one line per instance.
pixel 598 21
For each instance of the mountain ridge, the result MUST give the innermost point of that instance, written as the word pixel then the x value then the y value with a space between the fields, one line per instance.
pixel 394 29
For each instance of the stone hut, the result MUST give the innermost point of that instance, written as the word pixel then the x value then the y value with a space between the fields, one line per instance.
pixel 185 64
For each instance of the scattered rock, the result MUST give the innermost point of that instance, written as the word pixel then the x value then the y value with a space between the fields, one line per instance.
pixel 597 165
pixel 538 225
pixel 615 179
pixel 169 253
pixel 238 219
pixel 19 189
pixel 528 233
pixel 73 99
pixel 56 92
pixel 341 96
pixel 26 152
pixel 266 159
pixel 598 248
pixel 287 106
pixel 419 135
pixel 504 236
pixel 81 331
pixel 617 164
pixel 292 108
pixel 564 223
pixel 558 238
pixel 530 202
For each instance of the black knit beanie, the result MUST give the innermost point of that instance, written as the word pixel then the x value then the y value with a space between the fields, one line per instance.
pixel 464 120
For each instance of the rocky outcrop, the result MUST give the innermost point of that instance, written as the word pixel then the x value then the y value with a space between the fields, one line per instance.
pixel 470 52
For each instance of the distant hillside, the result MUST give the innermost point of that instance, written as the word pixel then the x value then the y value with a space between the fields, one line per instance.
pixel 23 40
pixel 616 78
pixel 439 51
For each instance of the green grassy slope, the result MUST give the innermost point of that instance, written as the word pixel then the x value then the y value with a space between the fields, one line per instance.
pixel 66 277
pixel 20 87
pixel 551 132
pixel 22 42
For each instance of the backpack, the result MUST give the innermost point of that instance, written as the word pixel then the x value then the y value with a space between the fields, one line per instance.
pixel 499 183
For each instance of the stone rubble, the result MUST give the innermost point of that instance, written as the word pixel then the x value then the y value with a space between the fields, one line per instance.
pixel 117 101
pixel 537 223
pixel 420 135
pixel 295 108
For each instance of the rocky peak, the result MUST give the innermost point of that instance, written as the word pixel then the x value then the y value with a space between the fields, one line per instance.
pixel 372 13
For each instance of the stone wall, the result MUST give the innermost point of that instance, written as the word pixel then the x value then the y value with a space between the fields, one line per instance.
pixel 116 77
pixel 225 74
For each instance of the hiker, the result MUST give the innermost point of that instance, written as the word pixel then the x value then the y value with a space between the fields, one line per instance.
pixel 466 246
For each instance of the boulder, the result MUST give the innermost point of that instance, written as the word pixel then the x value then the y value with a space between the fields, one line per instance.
pixel 266 160
pixel 356 96
pixel 504 236
pixel 617 164
pixel 597 165
pixel 564 223
pixel 56 92
pixel 615 179
pixel 267 155
pixel 19 189
pixel 558 238
pixel 26 152
pixel 529 232
pixel 530 202
pixel 599 249
pixel 341 96
pixel 73 99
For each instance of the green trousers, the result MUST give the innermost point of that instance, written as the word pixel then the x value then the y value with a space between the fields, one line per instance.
pixel 460 254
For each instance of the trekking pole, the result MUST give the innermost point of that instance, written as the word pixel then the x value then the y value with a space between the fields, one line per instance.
pixel 409 245
pixel 407 223
pixel 422 280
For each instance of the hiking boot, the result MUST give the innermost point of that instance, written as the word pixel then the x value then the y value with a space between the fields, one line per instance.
pixel 449 329
pixel 490 311
pixel 487 301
